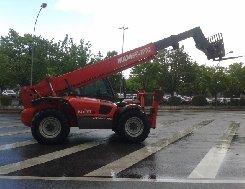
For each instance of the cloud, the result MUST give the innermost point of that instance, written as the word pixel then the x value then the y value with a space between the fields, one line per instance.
pixel 151 20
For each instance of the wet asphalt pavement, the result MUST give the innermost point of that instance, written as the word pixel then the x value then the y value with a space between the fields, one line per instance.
pixel 187 150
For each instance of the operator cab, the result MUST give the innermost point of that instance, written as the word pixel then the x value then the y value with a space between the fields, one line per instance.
pixel 100 89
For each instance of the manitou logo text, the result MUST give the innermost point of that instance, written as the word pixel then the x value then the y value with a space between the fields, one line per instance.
pixel 134 55
pixel 85 111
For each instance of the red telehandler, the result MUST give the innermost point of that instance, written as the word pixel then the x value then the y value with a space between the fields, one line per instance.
pixel 84 98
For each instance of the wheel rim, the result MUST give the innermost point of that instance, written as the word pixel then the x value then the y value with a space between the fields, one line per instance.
pixel 50 127
pixel 134 126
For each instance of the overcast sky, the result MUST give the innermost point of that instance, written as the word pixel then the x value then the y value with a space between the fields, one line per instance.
pixel 98 21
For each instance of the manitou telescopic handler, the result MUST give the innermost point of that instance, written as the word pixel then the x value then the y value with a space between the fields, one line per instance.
pixel 84 98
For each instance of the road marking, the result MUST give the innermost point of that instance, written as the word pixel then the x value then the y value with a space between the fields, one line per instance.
pixel 15 133
pixel 210 164
pixel 9 168
pixel 102 179
pixel 16 145
pixel 29 142
pixel 113 168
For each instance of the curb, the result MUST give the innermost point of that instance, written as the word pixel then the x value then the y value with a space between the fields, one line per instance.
pixel 18 110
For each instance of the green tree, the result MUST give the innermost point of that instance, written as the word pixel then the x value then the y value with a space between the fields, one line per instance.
pixel 15 50
pixel 216 80
pixel 235 80
pixel 147 76
pixel 182 72
pixel 170 70
pixel 202 80
pixel 50 58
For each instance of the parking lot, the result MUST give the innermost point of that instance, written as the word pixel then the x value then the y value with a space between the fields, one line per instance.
pixel 187 149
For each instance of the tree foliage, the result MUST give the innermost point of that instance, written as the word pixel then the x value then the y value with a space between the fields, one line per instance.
pixel 50 58
pixel 176 72
pixel 170 70
pixel 235 82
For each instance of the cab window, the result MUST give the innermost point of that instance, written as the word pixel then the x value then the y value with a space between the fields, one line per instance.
pixel 99 89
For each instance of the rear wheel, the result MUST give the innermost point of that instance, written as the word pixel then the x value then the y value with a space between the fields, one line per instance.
pixel 50 127
pixel 134 126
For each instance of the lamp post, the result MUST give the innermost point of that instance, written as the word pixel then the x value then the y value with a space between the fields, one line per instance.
pixel 43 5
pixel 123 28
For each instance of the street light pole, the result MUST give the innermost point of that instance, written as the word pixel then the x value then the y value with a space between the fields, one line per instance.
pixel 43 5
pixel 123 28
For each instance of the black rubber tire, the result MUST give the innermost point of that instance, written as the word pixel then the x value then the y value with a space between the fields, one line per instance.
pixel 60 138
pixel 122 126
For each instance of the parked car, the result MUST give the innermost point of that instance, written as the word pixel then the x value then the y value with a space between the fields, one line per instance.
pixel 9 93
pixel 209 100
pixel 165 98
pixel 120 95
pixel 224 100
pixel 186 98
pixel 131 96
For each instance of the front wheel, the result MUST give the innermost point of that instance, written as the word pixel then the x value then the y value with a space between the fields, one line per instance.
pixel 134 126
pixel 50 127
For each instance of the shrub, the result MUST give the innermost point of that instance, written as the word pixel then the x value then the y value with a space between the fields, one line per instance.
pixel 5 100
pixel 174 101
pixel 199 100
pixel 242 102
pixel 216 103
pixel 184 102
pixel 237 102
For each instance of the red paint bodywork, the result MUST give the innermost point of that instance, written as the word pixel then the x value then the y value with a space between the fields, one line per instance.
pixel 90 107
pixel 27 114
pixel 82 106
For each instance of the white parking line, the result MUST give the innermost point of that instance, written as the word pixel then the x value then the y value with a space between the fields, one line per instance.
pixel 210 164
pixel 113 168
pixel 29 142
pixel 16 145
pixel 9 168
pixel 15 133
